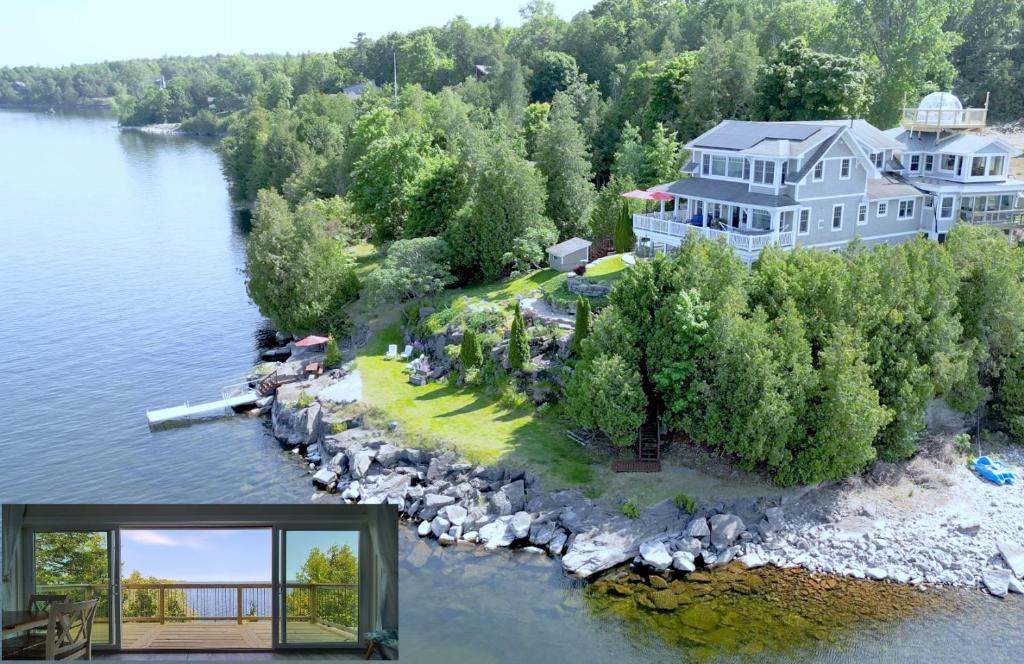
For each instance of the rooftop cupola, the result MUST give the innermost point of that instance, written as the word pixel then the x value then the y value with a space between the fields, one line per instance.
pixel 942 111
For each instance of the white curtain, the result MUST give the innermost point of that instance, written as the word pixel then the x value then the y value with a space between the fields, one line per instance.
pixel 384 534
pixel 11 519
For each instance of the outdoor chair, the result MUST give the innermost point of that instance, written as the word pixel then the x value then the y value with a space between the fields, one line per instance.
pixel 68 635
pixel 407 352
pixel 392 352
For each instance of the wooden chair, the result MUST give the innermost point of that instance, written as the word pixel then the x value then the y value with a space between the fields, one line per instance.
pixel 69 633
pixel 37 604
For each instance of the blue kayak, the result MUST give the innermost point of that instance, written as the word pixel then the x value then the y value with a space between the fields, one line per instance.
pixel 994 471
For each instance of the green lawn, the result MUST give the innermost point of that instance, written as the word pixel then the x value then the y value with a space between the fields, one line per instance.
pixel 468 419
pixel 608 271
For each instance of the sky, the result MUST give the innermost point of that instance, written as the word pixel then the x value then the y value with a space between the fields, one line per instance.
pixel 209 555
pixel 204 555
pixel 61 32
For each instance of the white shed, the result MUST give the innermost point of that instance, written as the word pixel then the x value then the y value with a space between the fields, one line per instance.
pixel 566 255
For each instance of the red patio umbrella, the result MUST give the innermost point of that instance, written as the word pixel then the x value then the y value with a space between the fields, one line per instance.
pixel 311 340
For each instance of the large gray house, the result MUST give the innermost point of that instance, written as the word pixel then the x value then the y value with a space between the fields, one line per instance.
pixel 822 183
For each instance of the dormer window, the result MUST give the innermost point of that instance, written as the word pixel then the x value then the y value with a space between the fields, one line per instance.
pixel 948 162
pixel 995 165
pixel 726 167
pixel 844 169
pixel 977 166
pixel 819 172
pixel 764 172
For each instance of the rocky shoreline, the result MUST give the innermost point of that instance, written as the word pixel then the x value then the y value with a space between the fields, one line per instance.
pixel 813 527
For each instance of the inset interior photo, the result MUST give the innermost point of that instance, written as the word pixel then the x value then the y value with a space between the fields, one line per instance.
pixel 121 581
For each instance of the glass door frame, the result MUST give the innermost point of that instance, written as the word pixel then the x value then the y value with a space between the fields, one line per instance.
pixel 113 534
pixel 279 581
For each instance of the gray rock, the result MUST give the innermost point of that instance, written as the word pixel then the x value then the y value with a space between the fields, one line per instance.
pixel 541 533
pixel 497 533
pixel 439 525
pixel 500 504
pixel 456 514
pixel 969 527
pixel 520 524
pixel 455 531
pixel 725 528
pixel 752 561
pixel 424 529
pixel 997 581
pixel 727 556
pixel 774 517
pixel 1015 586
pixel 1013 555
pixel 388 455
pixel 699 530
pixel 557 543
pixel 655 555
pixel 439 466
pixel 324 477
pixel 689 544
pixel 683 561
pixel 359 462
pixel 445 539
pixel 876 573
pixel 516 494
pixel 470 537
pixel 432 504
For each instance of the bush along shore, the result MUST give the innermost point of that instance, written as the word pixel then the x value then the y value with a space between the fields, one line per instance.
pixel 820 527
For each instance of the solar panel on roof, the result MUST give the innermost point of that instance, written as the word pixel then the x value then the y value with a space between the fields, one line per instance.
pixel 742 135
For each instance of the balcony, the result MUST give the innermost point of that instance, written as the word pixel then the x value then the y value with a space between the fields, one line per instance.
pixel 746 241
pixel 935 119
pixel 1009 217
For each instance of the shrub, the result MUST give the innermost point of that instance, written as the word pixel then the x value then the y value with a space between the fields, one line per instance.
pixel 470 353
pixel 305 400
pixel 606 393
pixel 962 443
pixel 513 399
pixel 582 329
pixel 412 270
pixel 332 357
pixel 686 503
pixel 631 509
pixel 518 344
pixel 580 270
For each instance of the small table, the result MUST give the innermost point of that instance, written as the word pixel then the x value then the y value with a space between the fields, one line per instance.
pixel 23 621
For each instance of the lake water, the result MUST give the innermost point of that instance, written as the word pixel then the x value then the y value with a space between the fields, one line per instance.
pixel 120 291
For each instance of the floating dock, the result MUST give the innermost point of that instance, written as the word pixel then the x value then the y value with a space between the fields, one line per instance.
pixel 226 405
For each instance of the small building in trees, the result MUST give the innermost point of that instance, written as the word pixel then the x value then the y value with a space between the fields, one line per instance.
pixel 566 255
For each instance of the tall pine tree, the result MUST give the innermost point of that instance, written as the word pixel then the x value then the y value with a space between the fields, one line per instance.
pixel 624 237
pixel 518 344
pixel 582 329
pixel 563 159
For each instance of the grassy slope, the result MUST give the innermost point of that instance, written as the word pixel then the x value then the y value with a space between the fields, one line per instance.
pixel 469 419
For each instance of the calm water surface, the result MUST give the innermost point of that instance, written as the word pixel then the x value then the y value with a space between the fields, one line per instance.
pixel 120 291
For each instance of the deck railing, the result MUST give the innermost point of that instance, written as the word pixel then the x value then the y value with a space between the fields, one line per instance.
pixel 1011 216
pixel 330 604
pixel 946 118
pixel 748 241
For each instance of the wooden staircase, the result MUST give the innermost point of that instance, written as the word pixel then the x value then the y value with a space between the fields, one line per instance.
pixel 648 453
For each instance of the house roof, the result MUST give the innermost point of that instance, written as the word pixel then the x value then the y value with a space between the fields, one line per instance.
pixel 819 152
pixel 1009 186
pixel 961 144
pixel 864 131
pixel 725 191
pixel 773 139
pixel 889 186
pixel 566 247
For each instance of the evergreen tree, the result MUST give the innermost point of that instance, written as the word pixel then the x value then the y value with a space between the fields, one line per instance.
pixel 518 343
pixel 562 157
pixel 624 238
pixel 582 329
pixel 629 160
pixel 470 353
pixel 606 393
pixel 332 357
pixel 662 157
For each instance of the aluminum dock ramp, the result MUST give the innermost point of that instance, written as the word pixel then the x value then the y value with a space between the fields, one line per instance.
pixel 230 399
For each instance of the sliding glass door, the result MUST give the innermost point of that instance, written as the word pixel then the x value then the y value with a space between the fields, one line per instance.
pixel 78 564
pixel 317 583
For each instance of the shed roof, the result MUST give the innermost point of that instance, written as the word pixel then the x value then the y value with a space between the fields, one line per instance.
pixel 566 247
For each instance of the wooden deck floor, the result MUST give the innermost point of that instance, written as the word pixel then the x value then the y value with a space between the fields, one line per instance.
pixel 222 636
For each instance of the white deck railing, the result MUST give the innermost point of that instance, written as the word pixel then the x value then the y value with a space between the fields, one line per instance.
pixel 947 118
pixel 1013 216
pixel 747 241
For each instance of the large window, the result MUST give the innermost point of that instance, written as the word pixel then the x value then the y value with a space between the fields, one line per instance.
pixel 837 217
pixel 76 564
pixel 761 220
pixel 706 164
pixel 995 165
pixel 718 164
pixel 948 162
pixel 764 171
pixel 946 207
pixel 977 166
pixel 321 584
pixel 906 209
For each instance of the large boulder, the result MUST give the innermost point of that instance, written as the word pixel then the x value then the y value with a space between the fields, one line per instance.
pixel 557 543
pixel 1013 555
pixel 500 504
pixel 497 533
pixel 324 478
pixel 541 533
pixel 520 525
pixel 683 561
pixel 516 494
pixel 698 529
pixel 432 504
pixel 997 581
pixel 456 514
pixel 655 555
pixel 359 461
pixel 613 539
pixel 439 526
pixel 725 529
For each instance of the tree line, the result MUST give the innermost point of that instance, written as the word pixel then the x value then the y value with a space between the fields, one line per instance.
pixel 813 363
